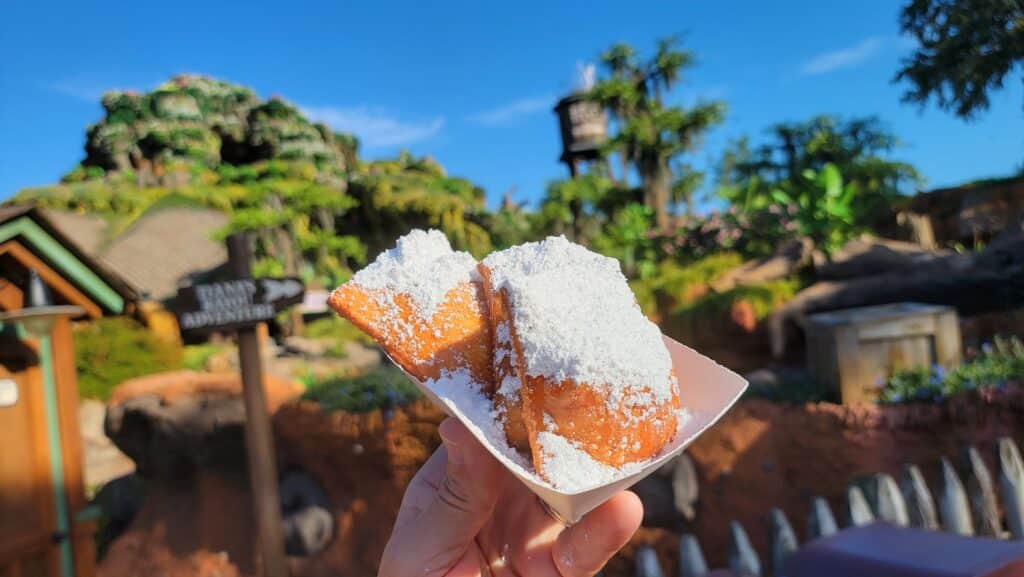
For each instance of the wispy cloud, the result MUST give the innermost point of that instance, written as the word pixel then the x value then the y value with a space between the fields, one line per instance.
pixel 513 110
pixel 91 88
pixel 845 58
pixel 375 128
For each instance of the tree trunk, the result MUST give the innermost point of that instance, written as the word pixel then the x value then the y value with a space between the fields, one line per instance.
pixel 576 209
pixel 286 247
pixel 326 222
pixel 623 168
pixel 661 195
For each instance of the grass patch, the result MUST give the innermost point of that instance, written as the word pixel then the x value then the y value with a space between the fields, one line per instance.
pixel 382 388
pixel 998 363
pixel 109 351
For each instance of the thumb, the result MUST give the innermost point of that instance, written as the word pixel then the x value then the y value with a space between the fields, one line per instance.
pixel 463 502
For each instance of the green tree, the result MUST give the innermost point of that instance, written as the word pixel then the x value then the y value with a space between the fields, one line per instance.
pixel 965 49
pixel 823 206
pixel 571 202
pixel 650 135
pixel 859 148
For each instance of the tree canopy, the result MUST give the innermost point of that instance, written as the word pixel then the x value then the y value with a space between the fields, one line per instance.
pixel 965 50
pixel 859 148
pixel 651 134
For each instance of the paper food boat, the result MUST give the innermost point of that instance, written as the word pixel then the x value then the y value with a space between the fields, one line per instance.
pixel 706 390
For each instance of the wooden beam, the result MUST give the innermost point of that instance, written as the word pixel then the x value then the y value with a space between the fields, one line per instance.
pixel 56 281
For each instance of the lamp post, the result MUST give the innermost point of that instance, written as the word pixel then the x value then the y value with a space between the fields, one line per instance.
pixel 38 314
pixel 37 317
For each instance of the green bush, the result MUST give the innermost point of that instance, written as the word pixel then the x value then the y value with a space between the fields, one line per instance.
pixel 385 387
pixel 763 297
pixel 337 331
pixel 995 366
pixel 195 357
pixel 112 350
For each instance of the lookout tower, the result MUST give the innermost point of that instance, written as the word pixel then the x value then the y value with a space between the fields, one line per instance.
pixel 583 124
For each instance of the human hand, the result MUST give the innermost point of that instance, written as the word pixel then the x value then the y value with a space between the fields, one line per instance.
pixel 465 515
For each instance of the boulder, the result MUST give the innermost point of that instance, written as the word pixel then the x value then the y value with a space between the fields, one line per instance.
pixel 173 423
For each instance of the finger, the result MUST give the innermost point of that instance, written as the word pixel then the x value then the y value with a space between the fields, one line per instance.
pixel 583 549
pixel 422 487
pixel 441 533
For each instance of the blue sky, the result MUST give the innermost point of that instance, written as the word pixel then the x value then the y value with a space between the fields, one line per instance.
pixel 473 83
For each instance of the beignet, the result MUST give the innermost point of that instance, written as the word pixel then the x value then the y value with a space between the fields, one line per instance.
pixel 423 303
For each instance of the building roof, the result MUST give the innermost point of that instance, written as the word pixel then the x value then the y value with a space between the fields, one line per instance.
pixel 168 248
pixel 48 242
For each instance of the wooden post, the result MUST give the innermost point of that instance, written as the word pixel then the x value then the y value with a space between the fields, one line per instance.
pixel 743 560
pixel 647 564
pixel 920 505
pixel 857 510
pixel 259 438
pixel 691 558
pixel 889 503
pixel 782 539
pixel 982 495
pixel 1011 479
pixel 955 513
pixel 821 522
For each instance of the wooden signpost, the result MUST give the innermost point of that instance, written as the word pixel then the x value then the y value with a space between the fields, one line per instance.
pixel 239 305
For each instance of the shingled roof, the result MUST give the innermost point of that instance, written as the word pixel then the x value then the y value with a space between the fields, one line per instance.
pixel 168 248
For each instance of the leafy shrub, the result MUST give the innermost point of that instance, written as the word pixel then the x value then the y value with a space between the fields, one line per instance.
pixel 195 357
pixel 763 298
pixel 337 331
pixel 336 328
pixel 381 389
pixel 109 351
pixel 995 366
pixel 752 234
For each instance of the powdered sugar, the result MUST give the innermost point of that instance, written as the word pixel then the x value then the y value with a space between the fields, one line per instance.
pixel 423 266
pixel 572 469
pixel 577 319
pixel 461 393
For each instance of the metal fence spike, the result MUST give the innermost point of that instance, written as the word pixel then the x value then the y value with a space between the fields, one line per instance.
pixel 782 539
pixel 982 495
pixel 857 510
pixel 685 486
pixel 920 504
pixel 889 503
pixel 743 559
pixel 1011 481
pixel 953 507
pixel 821 522
pixel 647 564
pixel 691 558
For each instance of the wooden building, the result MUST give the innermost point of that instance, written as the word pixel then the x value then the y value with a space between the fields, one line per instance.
pixel 45 529
pixel 968 214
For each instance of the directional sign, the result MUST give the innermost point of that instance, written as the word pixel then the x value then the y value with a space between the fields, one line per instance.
pixel 234 303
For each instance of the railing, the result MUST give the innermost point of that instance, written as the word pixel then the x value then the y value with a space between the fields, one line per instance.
pixel 971 510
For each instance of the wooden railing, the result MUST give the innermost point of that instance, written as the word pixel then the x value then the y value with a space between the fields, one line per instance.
pixel 970 509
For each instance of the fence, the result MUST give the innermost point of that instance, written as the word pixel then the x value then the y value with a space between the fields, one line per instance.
pixel 971 510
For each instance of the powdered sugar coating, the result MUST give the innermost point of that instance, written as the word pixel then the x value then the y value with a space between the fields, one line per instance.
pixel 571 469
pixel 577 319
pixel 567 467
pixel 423 266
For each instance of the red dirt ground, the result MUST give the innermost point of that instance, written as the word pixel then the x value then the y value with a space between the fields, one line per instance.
pixel 761 455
